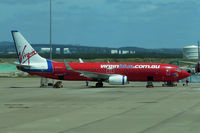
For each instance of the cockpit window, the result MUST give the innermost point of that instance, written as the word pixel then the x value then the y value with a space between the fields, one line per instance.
pixel 178 69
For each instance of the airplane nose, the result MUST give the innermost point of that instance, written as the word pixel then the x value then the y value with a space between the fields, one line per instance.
pixel 184 74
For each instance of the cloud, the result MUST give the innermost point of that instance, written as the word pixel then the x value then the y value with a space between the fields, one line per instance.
pixel 117 21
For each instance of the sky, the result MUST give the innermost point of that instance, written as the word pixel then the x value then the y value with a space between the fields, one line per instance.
pixel 104 23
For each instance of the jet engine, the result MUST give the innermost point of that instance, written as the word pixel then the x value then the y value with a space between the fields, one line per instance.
pixel 117 80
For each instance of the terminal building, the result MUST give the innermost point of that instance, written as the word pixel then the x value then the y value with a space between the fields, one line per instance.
pixel 67 49
pixel 190 52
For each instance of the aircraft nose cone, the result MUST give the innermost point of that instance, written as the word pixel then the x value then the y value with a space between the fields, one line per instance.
pixel 184 74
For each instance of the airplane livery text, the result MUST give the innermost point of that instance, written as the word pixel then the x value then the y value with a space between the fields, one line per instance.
pixel 130 66
pixel 26 56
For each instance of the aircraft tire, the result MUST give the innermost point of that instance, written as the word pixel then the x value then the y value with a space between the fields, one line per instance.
pixel 99 84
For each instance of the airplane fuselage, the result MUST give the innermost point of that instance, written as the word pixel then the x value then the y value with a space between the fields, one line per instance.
pixel 133 71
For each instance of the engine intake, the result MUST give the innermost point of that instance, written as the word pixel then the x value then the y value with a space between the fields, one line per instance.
pixel 117 80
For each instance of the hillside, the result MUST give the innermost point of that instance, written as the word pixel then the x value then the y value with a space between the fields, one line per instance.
pixel 6 47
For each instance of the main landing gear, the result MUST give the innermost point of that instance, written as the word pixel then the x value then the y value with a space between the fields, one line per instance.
pixel 99 84
pixel 169 84
pixel 149 84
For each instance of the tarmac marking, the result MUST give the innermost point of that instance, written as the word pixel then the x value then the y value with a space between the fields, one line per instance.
pixel 118 114
pixel 16 106
pixel 169 119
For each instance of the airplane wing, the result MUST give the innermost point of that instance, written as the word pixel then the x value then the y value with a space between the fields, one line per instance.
pixel 87 74
pixel 93 75
pixel 189 62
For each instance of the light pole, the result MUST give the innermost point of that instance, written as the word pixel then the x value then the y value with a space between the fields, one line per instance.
pixel 50 33
pixel 44 81
pixel 198 50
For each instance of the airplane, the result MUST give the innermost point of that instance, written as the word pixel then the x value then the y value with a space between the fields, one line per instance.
pixel 113 73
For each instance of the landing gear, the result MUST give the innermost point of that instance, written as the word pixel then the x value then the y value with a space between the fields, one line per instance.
pixel 149 84
pixel 99 84
pixel 169 84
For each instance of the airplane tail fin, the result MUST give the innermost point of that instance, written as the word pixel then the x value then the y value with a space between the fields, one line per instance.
pixel 26 54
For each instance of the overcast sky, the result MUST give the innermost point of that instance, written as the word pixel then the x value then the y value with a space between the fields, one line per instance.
pixel 113 23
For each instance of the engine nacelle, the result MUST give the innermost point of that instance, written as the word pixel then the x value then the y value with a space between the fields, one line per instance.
pixel 117 80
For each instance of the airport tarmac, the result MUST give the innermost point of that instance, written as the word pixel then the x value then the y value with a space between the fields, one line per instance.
pixel 26 108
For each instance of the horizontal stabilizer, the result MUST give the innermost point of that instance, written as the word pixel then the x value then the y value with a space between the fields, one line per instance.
pixel 21 65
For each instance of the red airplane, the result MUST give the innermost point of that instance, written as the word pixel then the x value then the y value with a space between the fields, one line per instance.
pixel 113 73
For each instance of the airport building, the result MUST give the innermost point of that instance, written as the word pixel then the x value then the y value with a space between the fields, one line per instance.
pixel 190 52
pixel 71 49
pixel 68 49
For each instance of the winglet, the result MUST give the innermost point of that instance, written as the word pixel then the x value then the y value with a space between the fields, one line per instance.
pixel 21 65
pixel 80 60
